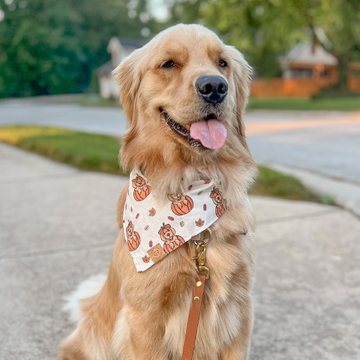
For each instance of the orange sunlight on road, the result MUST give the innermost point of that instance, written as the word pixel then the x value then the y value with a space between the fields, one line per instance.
pixel 256 128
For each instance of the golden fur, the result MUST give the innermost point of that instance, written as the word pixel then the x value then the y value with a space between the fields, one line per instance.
pixel 118 323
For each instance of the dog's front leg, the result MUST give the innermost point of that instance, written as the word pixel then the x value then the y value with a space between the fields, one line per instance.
pixel 240 348
pixel 135 338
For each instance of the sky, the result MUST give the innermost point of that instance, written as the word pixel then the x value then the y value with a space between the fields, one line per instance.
pixel 158 9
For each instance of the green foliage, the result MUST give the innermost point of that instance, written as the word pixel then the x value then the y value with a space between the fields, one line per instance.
pixel 356 55
pixel 52 46
pixel 186 12
pixel 265 62
pixel 334 92
pixel 266 29
pixel 276 25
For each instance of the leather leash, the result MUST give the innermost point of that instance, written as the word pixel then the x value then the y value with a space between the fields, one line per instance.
pixel 197 296
pixel 193 319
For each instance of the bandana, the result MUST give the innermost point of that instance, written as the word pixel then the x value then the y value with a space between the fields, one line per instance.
pixel 153 232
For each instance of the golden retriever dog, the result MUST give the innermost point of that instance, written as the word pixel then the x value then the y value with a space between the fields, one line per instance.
pixel 184 94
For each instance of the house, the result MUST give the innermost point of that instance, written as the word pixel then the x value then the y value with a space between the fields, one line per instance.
pixel 118 48
pixel 306 69
pixel 308 60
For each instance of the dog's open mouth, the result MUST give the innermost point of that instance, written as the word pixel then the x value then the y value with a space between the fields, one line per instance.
pixel 208 133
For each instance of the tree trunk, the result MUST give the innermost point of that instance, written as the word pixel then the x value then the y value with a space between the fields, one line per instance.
pixel 343 67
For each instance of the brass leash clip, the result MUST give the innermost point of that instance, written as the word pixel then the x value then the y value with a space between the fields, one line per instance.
pixel 201 247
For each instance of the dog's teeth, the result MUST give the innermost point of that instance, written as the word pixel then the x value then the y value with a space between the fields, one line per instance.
pixel 181 130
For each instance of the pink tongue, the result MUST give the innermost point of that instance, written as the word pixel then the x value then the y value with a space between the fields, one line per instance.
pixel 210 133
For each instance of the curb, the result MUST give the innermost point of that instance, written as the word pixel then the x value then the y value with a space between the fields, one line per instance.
pixel 345 194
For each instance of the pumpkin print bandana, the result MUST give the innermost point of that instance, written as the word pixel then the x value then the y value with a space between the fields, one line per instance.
pixel 152 232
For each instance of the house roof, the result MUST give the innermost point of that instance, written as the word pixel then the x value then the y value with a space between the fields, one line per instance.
pixel 119 48
pixel 129 45
pixel 306 53
pixel 106 68
pixel 135 43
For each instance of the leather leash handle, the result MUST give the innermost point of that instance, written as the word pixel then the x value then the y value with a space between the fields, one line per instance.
pixel 193 320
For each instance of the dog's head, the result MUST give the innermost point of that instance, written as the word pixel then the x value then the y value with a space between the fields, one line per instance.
pixel 184 94
pixel 176 197
pixel 138 182
pixel 167 233
pixel 130 230
pixel 216 196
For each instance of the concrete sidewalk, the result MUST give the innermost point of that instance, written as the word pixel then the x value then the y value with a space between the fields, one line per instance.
pixel 58 227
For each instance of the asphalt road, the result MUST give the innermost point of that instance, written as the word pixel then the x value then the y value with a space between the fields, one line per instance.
pixel 326 143
pixel 98 120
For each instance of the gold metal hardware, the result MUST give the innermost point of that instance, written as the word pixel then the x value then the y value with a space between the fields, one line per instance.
pixel 199 283
pixel 201 247
pixel 196 299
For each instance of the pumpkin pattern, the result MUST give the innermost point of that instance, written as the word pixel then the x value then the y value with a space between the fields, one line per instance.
pixel 171 241
pixel 133 237
pixel 155 229
pixel 180 204
pixel 141 189
pixel 219 201
pixel 219 211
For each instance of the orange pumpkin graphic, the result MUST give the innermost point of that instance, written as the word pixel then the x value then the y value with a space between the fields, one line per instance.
pixel 141 194
pixel 168 248
pixel 134 243
pixel 181 204
pixel 219 211
pixel 141 188
pixel 171 241
pixel 133 237
pixel 219 201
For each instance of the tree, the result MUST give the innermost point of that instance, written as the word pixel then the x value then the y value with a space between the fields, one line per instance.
pixel 243 24
pixel 339 20
pixel 274 26
pixel 51 46
pixel 186 12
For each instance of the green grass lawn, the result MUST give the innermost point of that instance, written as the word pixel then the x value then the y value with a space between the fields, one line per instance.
pixel 339 104
pixel 274 184
pixel 82 150
pixel 100 153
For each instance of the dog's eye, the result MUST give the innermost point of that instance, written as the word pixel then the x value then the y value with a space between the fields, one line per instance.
pixel 222 63
pixel 169 64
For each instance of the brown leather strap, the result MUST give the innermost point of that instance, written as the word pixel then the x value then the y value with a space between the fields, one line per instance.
pixel 193 320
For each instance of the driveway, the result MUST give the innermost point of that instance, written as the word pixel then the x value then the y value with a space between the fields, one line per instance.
pixel 58 227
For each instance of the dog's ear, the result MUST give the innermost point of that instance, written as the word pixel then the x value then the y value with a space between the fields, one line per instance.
pixel 128 77
pixel 242 78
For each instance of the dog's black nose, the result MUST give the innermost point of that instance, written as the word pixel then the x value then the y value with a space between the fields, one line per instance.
pixel 213 89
